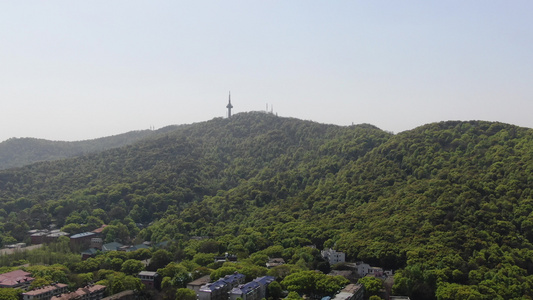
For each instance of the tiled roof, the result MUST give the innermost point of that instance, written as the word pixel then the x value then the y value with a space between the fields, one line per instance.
pixel 14 278
pixel 99 230
pixel 200 281
pixel 45 289
pixel 111 246
pixel 90 251
pixel 79 293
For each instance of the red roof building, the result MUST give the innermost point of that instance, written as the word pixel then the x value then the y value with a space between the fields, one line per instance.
pixel 45 293
pixel 90 292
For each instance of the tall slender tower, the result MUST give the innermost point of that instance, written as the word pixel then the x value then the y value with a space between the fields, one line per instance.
pixel 229 106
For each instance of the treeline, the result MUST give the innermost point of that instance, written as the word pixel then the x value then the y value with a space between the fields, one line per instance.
pixel 448 204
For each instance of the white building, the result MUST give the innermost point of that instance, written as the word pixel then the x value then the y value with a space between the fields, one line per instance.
pixel 333 257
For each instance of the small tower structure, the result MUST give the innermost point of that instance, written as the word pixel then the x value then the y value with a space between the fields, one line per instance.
pixel 229 106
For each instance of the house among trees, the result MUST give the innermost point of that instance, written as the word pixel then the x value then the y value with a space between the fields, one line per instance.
pixel 364 269
pixel 226 257
pixel 16 279
pixel 150 279
pixel 274 262
pixel 198 283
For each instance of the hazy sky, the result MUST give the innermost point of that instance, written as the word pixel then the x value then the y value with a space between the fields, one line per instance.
pixel 74 70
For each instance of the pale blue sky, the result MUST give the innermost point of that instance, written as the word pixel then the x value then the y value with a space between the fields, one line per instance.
pixel 74 70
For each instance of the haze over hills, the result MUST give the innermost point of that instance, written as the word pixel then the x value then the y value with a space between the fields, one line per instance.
pixel 18 152
pixel 447 204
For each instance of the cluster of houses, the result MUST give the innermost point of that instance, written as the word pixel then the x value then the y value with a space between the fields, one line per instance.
pixel 363 269
pixel 91 241
pixel 42 236
pixel 231 287
pixel 58 291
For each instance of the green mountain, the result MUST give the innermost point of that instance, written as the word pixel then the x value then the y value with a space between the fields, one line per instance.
pixel 447 204
pixel 18 152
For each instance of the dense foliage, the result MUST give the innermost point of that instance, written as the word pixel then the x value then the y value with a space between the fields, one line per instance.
pixel 448 204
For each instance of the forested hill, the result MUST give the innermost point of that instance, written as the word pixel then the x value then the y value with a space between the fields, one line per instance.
pixel 18 152
pixel 448 204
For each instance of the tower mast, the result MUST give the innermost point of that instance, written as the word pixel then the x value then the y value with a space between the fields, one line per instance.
pixel 229 106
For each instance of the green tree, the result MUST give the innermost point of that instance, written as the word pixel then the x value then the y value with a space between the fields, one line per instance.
pixel 221 272
pixel 160 258
pixel 10 294
pixel 275 290
pixel 204 259
pixel 301 282
pixel 185 294
pixel 294 295
pixel 132 267
pixel 372 285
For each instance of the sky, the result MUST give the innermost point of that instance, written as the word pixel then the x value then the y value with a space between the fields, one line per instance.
pixel 77 70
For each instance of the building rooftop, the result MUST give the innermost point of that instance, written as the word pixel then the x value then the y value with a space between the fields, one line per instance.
pixel 57 234
pixel 265 280
pixel 352 288
pixel 40 233
pixel 233 277
pixel 81 235
pixel 201 281
pixel 113 246
pixel 137 247
pixel 14 278
pixel 210 287
pixel 246 288
pixel 90 251
pixel 99 230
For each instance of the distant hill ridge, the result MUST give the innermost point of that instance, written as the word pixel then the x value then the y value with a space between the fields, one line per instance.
pixel 18 152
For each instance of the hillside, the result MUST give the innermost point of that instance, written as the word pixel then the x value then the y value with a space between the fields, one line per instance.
pixel 18 152
pixel 449 204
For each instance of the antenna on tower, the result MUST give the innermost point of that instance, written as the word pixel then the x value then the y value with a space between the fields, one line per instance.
pixel 229 106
